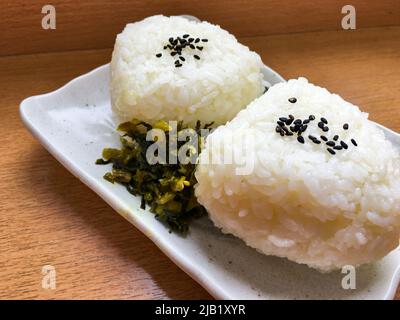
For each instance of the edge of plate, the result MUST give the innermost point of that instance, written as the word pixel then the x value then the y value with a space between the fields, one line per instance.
pixel 213 289
pixel 394 283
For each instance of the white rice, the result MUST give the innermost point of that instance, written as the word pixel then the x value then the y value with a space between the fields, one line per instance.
pixel 300 201
pixel 215 88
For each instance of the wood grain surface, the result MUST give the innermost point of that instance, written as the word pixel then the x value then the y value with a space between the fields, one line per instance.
pixel 89 24
pixel 50 217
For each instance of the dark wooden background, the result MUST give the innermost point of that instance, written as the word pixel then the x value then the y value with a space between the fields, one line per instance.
pixel 88 24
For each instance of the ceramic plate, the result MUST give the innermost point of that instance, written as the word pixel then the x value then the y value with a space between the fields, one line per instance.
pixel 74 123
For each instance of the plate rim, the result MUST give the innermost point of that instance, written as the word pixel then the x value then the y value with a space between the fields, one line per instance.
pixel 185 265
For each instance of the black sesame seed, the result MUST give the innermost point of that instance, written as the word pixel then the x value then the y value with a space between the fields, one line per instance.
pixel 292 100
pixel 196 57
pixel 200 48
pixel 331 143
pixel 335 137
pixel 191 39
pixel 278 129
pixel 282 133
pixel 311 117
pixel 283 119
pixel 289 133
pixel 158 55
pixel 177 62
pixel 325 129
pixel 316 141
pixel 292 128
pixel 288 122
pixel 182 58
pixel 197 40
pixel 204 40
pixel 191 46
pixel 303 128
pixel 178 65
pixel 298 121
pixel 173 53
pixel 171 40
pixel 324 120
pixel 296 128
pixel 306 121
pixel 290 116
pixel 280 123
pixel 165 47
pixel 321 125
pixel 185 36
pixel 343 144
pixel 331 151
pixel 311 137
pixel 285 129
pixel 300 139
pixel 354 142
pixel 338 147
pixel 345 126
pixel 324 138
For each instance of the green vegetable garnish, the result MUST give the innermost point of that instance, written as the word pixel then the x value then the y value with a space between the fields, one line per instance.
pixel 167 188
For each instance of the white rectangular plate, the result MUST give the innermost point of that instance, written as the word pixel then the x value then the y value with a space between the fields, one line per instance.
pixel 74 123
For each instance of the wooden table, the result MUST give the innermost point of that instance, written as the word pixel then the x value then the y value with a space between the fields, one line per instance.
pixel 48 217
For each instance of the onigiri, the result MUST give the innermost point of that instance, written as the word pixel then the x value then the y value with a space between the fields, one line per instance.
pixel 170 68
pixel 303 174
